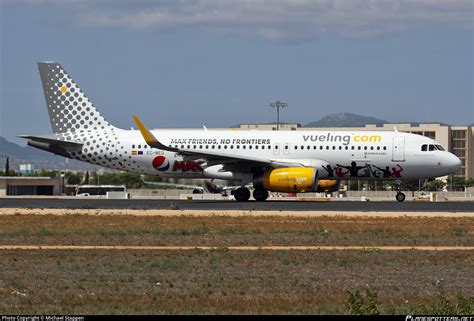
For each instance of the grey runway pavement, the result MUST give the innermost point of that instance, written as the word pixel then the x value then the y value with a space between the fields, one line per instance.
pixel 390 206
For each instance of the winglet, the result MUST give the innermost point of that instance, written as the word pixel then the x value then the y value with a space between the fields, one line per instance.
pixel 149 138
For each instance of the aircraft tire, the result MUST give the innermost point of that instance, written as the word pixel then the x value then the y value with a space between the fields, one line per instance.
pixel 242 194
pixel 400 197
pixel 260 194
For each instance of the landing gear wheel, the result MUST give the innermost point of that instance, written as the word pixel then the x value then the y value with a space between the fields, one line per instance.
pixel 400 197
pixel 260 194
pixel 242 194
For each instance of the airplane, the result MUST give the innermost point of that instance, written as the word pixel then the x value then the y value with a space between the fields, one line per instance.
pixel 270 161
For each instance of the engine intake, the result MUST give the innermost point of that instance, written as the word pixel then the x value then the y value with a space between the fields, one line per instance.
pixel 288 180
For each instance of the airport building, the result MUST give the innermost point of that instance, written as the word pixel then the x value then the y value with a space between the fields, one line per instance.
pixel 459 140
pixel 15 186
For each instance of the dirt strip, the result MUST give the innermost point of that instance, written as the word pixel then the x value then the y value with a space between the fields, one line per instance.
pixel 237 248
pixel 232 213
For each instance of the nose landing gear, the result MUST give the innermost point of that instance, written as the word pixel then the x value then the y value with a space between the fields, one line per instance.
pixel 400 197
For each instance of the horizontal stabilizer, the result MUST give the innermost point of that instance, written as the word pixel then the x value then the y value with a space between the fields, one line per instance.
pixel 52 145
pixel 51 141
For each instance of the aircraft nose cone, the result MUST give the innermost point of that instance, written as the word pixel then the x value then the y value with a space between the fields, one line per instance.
pixel 453 162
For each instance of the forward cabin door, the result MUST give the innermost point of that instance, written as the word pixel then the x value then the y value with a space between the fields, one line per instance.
pixel 398 149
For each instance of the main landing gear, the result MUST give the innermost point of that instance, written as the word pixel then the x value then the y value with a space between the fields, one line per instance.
pixel 241 194
pixel 260 194
pixel 400 197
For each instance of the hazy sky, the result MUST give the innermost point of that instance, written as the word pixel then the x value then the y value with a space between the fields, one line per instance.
pixel 182 63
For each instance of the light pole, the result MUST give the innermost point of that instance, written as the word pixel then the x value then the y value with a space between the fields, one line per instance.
pixel 278 104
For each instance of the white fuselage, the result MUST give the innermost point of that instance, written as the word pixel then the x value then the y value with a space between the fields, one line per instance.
pixel 336 154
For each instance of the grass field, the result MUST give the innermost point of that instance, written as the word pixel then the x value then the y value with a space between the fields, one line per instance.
pixel 224 281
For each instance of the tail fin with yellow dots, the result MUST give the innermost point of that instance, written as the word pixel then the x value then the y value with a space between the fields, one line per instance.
pixel 69 108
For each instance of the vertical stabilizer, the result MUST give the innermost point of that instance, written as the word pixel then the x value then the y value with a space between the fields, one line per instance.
pixel 69 108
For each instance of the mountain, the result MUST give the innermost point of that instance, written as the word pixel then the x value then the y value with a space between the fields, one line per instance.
pixel 346 120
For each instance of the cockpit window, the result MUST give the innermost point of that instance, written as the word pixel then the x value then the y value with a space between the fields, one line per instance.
pixel 430 147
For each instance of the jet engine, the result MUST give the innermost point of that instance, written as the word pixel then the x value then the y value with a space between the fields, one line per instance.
pixel 288 180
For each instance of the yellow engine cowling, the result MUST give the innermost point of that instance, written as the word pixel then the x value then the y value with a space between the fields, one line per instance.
pixel 288 180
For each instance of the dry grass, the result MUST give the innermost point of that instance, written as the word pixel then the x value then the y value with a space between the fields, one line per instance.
pixel 233 231
pixel 225 281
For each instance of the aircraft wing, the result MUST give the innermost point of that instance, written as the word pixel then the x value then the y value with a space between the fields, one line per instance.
pixel 230 162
